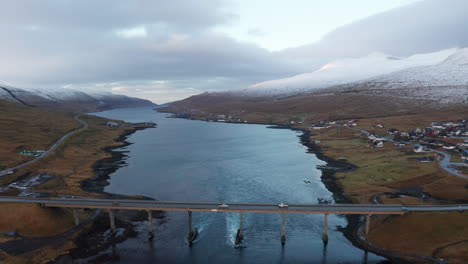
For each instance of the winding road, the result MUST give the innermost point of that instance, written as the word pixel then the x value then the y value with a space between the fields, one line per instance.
pixel 54 146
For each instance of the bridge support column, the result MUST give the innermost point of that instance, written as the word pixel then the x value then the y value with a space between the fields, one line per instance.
pixel 75 216
pixel 240 235
pixel 368 223
pixel 283 228
pixel 325 229
pixel 150 225
pixel 112 220
pixel 193 232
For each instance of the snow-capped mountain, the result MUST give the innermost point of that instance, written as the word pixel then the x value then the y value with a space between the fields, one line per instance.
pixel 345 71
pixel 446 82
pixel 69 99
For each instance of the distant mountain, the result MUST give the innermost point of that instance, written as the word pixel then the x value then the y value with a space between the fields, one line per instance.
pixel 376 85
pixel 445 82
pixel 343 72
pixel 69 99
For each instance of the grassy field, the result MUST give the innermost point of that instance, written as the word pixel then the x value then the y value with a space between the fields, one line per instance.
pixel 441 235
pixel 390 169
pixel 71 163
pixel 29 128
pixel 46 221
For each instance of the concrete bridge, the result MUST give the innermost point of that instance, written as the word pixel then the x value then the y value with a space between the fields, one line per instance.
pixel 149 205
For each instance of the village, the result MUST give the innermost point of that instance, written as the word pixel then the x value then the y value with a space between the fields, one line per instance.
pixel 438 136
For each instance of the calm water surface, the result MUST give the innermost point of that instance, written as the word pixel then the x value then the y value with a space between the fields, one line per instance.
pixel 185 160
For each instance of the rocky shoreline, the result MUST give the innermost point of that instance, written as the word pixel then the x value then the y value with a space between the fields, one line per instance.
pixel 351 231
pixel 94 241
pixel 330 181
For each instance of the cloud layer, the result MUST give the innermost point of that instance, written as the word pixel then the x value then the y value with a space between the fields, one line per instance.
pixel 166 50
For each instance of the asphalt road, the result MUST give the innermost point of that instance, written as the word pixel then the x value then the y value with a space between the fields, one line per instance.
pixel 56 144
pixel 446 164
pixel 235 207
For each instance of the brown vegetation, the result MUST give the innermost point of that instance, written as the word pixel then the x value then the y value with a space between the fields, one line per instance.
pixel 29 128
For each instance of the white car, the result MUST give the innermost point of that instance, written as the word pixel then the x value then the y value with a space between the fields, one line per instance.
pixel 282 205
pixel 223 206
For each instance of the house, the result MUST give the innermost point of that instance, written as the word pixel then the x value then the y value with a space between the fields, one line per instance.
pixel 400 144
pixel 379 126
pixel 464 155
pixel 392 131
pixel 419 149
pixel 463 144
pixel 448 147
pixel 379 144
pixel 318 126
pixel 437 125
pixel 112 124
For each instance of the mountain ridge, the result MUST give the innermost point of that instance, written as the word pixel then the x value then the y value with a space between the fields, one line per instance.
pixel 70 100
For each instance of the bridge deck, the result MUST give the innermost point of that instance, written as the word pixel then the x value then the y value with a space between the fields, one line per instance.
pixel 363 209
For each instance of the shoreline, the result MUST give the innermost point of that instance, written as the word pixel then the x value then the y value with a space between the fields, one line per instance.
pixel 104 167
pixel 328 178
pixel 93 241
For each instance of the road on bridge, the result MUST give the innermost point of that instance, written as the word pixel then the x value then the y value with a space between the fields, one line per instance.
pixel 235 207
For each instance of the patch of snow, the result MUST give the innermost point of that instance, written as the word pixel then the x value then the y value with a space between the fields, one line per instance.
pixel 345 71
pixel 446 81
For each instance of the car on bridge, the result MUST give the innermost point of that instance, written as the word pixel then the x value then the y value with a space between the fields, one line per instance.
pixel 282 205
pixel 223 206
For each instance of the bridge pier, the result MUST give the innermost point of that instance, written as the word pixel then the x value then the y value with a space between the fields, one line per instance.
pixel 150 225
pixel 239 235
pixel 325 229
pixel 75 216
pixel 283 228
pixel 368 223
pixel 112 221
pixel 193 232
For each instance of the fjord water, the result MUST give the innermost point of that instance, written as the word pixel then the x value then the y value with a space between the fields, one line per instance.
pixel 186 160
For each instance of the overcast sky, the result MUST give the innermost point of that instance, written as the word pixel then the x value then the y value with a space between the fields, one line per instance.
pixel 168 50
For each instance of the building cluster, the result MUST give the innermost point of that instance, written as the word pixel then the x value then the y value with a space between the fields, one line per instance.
pixel 434 136
pixel 115 124
pixel 326 124
pixel 226 118
pixel 35 153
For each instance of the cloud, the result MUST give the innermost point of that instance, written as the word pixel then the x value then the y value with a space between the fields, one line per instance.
pixel 135 32
pixel 84 43
pixel 421 27
pixel 256 32
pixel 129 45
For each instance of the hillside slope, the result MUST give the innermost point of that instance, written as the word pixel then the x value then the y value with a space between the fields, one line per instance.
pixel 442 86
pixel 344 71
pixel 70 100
pixel 29 128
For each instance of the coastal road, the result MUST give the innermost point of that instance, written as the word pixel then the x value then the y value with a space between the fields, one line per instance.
pixel 447 165
pixel 51 149
pixel 235 207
